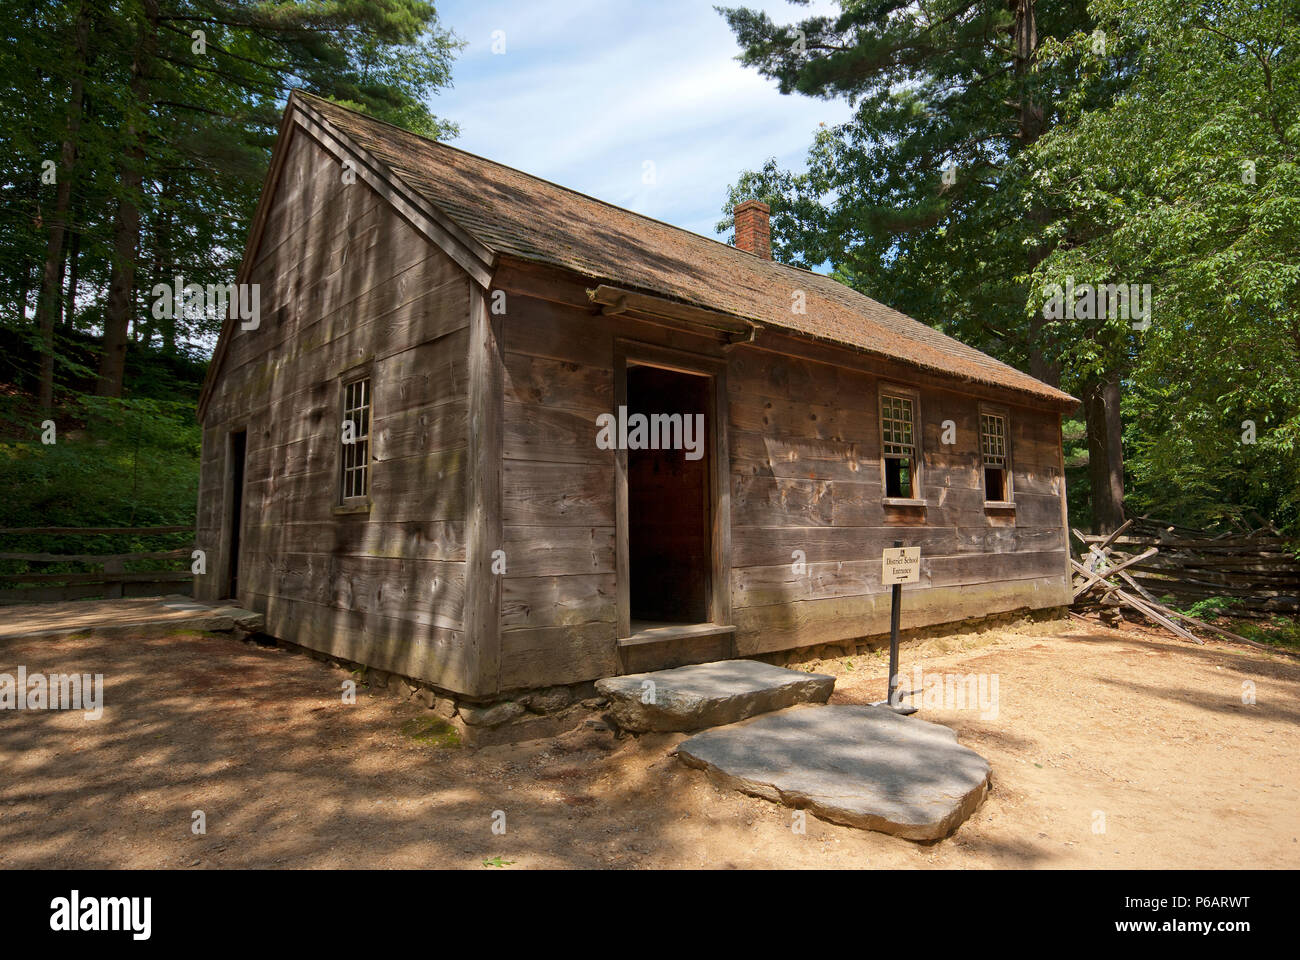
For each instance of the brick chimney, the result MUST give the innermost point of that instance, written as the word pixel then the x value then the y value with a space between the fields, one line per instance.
pixel 753 228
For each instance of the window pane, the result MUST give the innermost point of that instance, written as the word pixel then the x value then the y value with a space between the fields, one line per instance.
pixel 993 440
pixel 355 459
pixel 896 420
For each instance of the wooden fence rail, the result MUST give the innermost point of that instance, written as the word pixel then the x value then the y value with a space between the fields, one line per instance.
pixel 1259 571
pixel 111 580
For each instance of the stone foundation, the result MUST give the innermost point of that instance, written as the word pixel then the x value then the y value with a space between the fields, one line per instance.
pixel 523 715
pixel 515 717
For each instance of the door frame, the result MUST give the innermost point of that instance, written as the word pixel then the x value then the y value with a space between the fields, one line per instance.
pixel 232 542
pixel 627 351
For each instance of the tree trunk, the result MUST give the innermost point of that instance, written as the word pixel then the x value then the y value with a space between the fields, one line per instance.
pixel 25 290
pixel 1105 452
pixel 47 301
pixel 1024 37
pixel 1040 367
pixel 161 269
pixel 74 255
pixel 126 221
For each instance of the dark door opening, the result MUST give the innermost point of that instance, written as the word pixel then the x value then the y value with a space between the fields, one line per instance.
pixel 238 447
pixel 668 494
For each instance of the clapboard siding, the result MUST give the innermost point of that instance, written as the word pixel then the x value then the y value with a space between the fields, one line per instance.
pixel 348 285
pixel 809 521
pixel 804 622
pixel 559 601
pixel 804 476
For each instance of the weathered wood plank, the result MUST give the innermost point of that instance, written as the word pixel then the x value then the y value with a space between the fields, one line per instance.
pixel 483 497
pixel 785 583
pixel 557 494
pixel 540 433
pixel 771 546
pixel 558 551
pixel 558 601
pixel 536 656
pixel 560 384
pixel 430 653
pixel 805 623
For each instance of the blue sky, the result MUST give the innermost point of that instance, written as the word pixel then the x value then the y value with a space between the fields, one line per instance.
pixel 588 91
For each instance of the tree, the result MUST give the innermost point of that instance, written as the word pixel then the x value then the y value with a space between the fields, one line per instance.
pixel 924 200
pixel 170 138
pixel 48 301
pixel 1190 182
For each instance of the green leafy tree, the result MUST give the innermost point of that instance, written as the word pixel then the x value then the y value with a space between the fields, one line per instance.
pixel 924 199
pixel 161 154
pixel 1190 182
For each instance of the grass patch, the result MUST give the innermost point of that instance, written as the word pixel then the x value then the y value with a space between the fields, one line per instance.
pixel 1278 631
pixel 433 731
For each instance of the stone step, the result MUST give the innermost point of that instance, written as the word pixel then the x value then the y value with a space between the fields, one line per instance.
pixel 863 766
pixel 708 694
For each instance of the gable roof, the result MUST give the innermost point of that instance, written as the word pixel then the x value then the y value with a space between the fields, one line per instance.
pixel 512 213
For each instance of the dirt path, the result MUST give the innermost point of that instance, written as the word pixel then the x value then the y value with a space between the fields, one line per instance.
pixel 1149 732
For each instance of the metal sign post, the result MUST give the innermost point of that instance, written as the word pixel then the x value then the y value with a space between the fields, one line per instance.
pixel 898 566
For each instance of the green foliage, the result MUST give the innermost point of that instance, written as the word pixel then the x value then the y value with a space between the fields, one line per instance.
pixel 1278 630
pixel 433 731
pixel 936 86
pixel 202 116
pixel 1210 607
pixel 1190 181
pixel 1115 153
pixel 115 463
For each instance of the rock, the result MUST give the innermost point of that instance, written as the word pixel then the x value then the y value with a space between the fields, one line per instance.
pixel 444 707
pixel 248 620
pixel 595 703
pixel 404 688
pixel 708 694
pixel 547 700
pixel 377 679
pixel 527 726
pixel 863 766
pixel 491 715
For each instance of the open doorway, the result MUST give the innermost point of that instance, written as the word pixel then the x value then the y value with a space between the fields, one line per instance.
pixel 238 450
pixel 668 497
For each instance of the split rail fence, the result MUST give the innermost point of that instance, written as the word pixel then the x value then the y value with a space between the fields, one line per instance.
pixel 31 577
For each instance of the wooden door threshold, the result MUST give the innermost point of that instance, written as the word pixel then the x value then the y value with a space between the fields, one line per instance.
pixel 663 633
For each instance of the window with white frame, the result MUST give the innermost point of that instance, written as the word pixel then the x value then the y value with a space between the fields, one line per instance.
pixel 898 445
pixel 354 433
pixel 995 454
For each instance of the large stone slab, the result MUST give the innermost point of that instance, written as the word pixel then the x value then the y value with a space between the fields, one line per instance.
pixel 862 766
pixel 708 694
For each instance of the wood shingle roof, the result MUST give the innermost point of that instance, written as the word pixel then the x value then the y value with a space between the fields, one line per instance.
pixel 515 214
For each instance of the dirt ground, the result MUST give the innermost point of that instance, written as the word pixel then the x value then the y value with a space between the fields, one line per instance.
pixel 1145 733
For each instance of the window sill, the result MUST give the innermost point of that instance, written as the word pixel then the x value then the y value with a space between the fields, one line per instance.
pixel 1000 505
pixel 902 502
pixel 351 509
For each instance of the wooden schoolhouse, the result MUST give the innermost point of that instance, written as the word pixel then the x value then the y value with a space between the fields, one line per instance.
pixel 424 456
